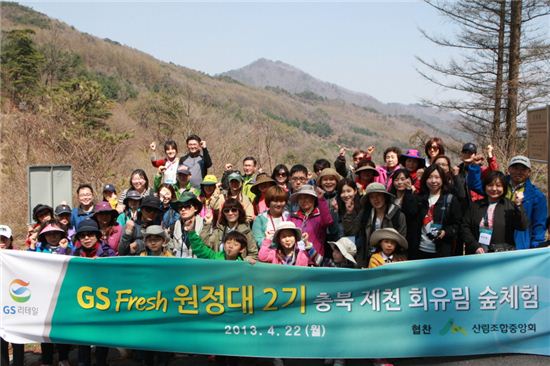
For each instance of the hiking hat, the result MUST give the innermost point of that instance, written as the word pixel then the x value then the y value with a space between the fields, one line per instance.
pixel 287 225
pixel 390 234
pixel 346 247
pixel 187 198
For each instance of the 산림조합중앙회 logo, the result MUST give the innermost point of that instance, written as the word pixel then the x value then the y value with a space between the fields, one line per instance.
pixel 19 290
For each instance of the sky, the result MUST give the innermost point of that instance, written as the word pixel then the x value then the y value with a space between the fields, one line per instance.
pixel 368 47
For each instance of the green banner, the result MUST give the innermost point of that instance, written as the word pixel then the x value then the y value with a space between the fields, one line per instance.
pixel 482 304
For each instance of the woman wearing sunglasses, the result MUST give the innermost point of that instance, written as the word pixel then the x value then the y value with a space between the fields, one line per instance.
pixel 281 175
pixel 232 218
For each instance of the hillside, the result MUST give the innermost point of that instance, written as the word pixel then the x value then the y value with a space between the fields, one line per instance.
pixel 264 73
pixel 97 104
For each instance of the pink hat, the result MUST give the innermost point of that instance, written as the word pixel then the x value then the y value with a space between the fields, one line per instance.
pixel 50 228
pixel 412 154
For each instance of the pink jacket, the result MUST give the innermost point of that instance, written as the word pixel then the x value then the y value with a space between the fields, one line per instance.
pixel 271 255
pixel 315 224
pixel 114 238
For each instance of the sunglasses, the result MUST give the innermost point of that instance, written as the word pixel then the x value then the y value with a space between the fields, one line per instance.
pixel 86 234
pixel 232 210
pixel 282 174
pixel 185 207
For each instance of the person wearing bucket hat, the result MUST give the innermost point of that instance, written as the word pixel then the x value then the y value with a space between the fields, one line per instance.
pixel 156 242
pixel 40 214
pixel 328 180
pixel 260 186
pixel 415 164
pixel 235 183
pixel 390 247
pixel 106 217
pixel 52 239
pixel 378 211
pixel 534 201
pixel 365 174
pixel 188 207
pixel 88 244
pixel 313 215
pixel 232 218
pixel 343 253
pixel 132 201
pixel 289 248
pixel 132 242
pixel 211 197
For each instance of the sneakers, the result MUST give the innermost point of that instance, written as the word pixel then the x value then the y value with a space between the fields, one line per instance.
pixel 339 363
pixel 64 363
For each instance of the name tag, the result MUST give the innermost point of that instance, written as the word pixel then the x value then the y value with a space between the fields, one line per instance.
pixel 485 235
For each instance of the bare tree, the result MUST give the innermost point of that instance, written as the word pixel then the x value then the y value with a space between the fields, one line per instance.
pixel 497 40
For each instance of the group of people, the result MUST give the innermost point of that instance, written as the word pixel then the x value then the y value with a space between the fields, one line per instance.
pixel 358 215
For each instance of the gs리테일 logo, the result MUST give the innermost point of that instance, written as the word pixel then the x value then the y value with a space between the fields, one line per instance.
pixel 19 290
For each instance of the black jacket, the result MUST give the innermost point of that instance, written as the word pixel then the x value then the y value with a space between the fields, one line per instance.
pixel 507 218
pixel 448 215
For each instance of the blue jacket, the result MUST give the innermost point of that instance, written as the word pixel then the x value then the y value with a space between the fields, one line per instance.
pixel 534 204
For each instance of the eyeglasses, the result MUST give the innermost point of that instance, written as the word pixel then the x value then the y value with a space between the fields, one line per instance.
pixel 298 179
pixel 232 210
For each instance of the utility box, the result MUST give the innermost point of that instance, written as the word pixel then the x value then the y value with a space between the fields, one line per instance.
pixel 49 185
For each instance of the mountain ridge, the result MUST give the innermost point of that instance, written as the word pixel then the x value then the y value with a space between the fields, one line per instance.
pixel 263 73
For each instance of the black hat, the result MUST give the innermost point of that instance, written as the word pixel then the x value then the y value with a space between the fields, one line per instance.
pixel 40 208
pixel 62 209
pixel 152 202
pixel 87 225
pixel 109 188
pixel 132 195
pixel 469 148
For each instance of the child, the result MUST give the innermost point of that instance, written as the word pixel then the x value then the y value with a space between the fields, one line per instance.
pixel 343 253
pixel 313 215
pixel 6 242
pixel 52 239
pixel 109 195
pixel 40 214
pixel 390 247
pixel 233 247
pixel 88 244
pixel 131 208
pixel 289 249
pixel 167 166
pixel 415 164
pixel 63 217
pixel 156 242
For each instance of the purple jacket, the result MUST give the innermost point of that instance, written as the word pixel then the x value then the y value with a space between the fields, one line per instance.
pixel 315 224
